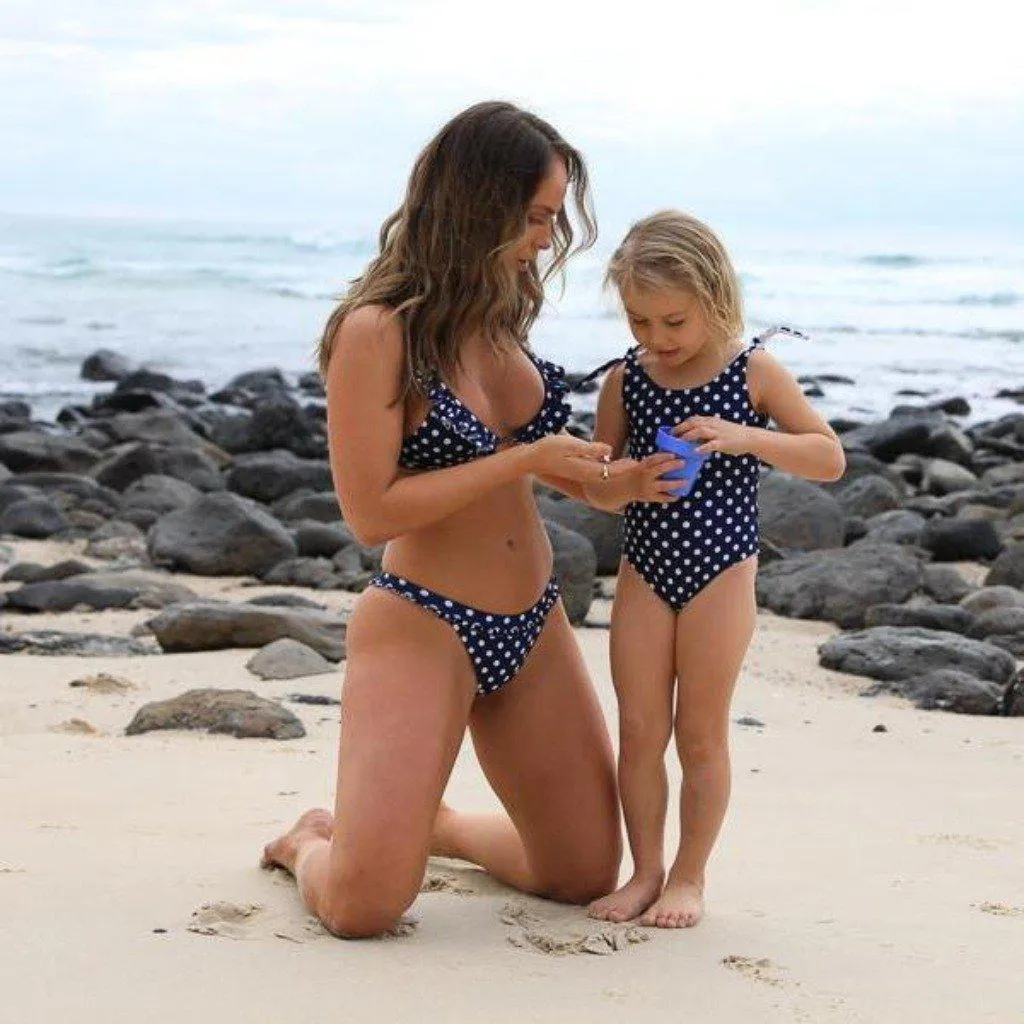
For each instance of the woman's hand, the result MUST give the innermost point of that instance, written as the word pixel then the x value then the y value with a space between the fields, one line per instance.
pixel 630 480
pixel 568 457
pixel 717 435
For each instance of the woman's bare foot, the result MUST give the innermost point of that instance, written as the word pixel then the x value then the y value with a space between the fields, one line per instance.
pixel 681 905
pixel 281 852
pixel 628 902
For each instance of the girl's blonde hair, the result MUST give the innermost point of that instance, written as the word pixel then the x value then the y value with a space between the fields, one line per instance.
pixel 670 249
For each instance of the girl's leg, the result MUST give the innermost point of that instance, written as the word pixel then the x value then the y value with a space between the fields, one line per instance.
pixel 642 657
pixel 406 700
pixel 712 636
pixel 542 743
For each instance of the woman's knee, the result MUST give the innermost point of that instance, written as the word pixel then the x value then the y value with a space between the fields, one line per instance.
pixel 702 749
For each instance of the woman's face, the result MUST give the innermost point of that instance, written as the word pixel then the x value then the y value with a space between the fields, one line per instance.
pixel 544 207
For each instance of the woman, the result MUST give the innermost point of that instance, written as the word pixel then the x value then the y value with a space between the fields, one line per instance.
pixel 439 419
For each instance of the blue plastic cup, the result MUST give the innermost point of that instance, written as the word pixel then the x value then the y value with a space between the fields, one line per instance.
pixel 686 450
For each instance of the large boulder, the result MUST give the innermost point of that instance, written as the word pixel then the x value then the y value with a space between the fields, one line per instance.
pixel 26 451
pixel 84 645
pixel 288 659
pixel 898 526
pixel 206 626
pixel 132 462
pixel 159 494
pixel 238 713
pixel 950 618
pixel 269 476
pixel 98 590
pixel 105 365
pixel 798 515
pixel 575 568
pixel 33 517
pixel 1008 569
pixel 892 653
pixel 950 689
pixel 870 496
pixel 945 584
pixel 961 540
pixel 839 586
pixel 602 529
pixel 220 535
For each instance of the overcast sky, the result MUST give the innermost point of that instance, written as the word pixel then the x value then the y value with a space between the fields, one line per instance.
pixel 780 111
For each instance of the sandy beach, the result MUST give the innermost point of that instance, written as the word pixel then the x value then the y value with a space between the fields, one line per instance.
pixel 862 875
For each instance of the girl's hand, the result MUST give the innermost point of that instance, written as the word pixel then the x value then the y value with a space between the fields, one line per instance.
pixel 568 457
pixel 717 435
pixel 647 475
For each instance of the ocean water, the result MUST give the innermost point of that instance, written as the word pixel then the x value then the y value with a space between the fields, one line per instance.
pixel 941 316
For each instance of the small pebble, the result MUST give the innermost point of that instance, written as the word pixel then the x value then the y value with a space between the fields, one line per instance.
pixel 880 728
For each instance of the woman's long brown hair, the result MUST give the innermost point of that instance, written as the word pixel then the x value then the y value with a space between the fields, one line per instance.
pixel 440 266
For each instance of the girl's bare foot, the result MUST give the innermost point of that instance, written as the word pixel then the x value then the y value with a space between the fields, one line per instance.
pixel 281 852
pixel 681 905
pixel 628 902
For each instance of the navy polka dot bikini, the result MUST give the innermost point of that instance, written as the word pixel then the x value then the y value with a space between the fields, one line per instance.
pixel 681 547
pixel 498 645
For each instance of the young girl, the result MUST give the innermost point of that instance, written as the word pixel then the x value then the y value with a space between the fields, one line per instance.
pixel 684 609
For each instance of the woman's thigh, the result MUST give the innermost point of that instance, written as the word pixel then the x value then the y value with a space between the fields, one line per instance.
pixel 405 704
pixel 543 745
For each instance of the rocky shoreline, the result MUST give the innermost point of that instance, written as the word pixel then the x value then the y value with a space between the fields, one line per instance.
pixel 158 476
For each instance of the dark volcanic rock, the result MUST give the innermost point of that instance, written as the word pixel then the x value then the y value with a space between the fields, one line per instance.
pixel 602 529
pixel 86 645
pixel 220 535
pixel 301 572
pixel 98 591
pixel 237 713
pixel 182 462
pixel 269 476
pixel 288 659
pixel 899 526
pixel 322 540
pixel 1008 568
pixel 277 421
pixel 945 584
pixel 575 568
pixel 961 540
pixel 870 496
pixel 25 451
pixel 203 626
pixel 950 618
pixel 948 689
pixel 839 586
pixel 321 506
pixel 890 653
pixel 798 515
pixel 29 572
pixel 105 365
pixel 986 598
pixel 33 517
pixel 151 380
pixel 1003 627
pixel 159 494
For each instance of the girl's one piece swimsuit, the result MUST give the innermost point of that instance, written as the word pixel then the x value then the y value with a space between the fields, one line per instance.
pixel 681 547
pixel 498 645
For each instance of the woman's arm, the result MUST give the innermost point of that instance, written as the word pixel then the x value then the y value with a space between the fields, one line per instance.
pixel 804 444
pixel 365 430
pixel 627 479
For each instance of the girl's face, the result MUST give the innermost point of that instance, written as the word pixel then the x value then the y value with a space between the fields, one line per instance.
pixel 544 207
pixel 669 323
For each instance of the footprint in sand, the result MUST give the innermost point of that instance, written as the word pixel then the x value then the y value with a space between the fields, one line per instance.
pixel 756 968
pixel 228 920
pixel 955 839
pixel 77 727
pixel 563 932
pixel 1000 909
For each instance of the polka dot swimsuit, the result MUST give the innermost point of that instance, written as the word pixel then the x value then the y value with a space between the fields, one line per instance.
pixel 452 434
pixel 497 645
pixel 679 548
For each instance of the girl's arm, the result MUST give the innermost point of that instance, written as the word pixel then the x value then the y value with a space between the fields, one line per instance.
pixel 804 444
pixel 628 480
pixel 365 428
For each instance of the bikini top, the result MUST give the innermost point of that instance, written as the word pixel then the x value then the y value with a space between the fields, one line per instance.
pixel 453 434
